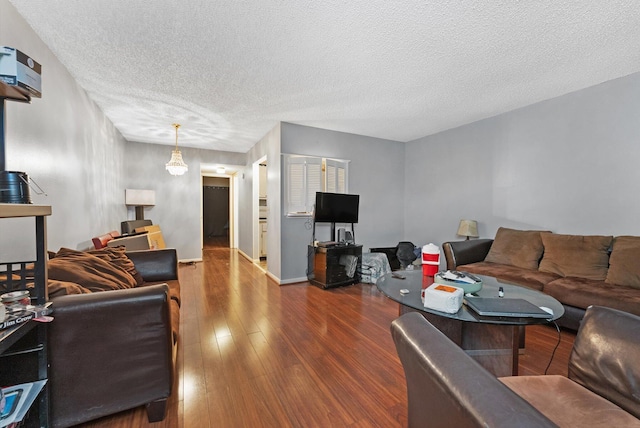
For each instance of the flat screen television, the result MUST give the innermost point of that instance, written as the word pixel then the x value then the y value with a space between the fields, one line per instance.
pixel 336 208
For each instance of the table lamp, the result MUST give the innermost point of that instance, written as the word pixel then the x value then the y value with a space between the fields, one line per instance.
pixel 139 199
pixel 468 228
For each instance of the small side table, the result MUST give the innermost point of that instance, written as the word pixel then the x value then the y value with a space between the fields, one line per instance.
pixel 325 270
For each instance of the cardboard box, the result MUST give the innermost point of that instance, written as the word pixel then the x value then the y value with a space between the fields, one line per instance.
pixel 154 234
pixel 131 243
pixel 18 69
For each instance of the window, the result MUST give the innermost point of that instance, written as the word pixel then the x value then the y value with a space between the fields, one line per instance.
pixel 306 175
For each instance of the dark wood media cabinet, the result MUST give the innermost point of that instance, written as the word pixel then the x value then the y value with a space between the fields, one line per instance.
pixel 324 268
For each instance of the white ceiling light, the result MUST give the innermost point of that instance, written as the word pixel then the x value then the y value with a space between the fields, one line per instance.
pixel 221 170
pixel 176 165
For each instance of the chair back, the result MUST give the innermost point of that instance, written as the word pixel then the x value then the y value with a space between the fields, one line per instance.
pixel 448 388
pixel 130 226
pixel 605 356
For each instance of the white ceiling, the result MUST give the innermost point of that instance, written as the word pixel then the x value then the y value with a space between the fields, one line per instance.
pixel 230 70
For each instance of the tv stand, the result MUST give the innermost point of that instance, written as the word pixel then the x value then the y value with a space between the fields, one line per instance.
pixel 324 268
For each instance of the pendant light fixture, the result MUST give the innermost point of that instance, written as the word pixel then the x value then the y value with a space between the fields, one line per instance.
pixel 176 165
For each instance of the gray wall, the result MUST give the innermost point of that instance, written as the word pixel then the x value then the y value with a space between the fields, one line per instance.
pixel 569 165
pixel 65 143
pixel 375 173
pixel 178 208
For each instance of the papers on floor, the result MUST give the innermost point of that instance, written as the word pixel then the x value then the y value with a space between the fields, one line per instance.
pixel 17 400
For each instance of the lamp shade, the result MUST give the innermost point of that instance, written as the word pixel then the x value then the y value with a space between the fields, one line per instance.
pixel 137 197
pixel 468 228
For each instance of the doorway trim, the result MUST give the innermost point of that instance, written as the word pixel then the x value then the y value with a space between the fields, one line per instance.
pixel 256 209
pixel 233 207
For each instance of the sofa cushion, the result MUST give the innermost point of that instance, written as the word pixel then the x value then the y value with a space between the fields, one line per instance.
pixel 88 271
pixel 174 289
pixel 64 288
pixel 514 275
pixel 511 274
pixel 576 255
pixel 118 257
pixel 624 268
pixel 520 248
pixel 567 403
pixel 582 292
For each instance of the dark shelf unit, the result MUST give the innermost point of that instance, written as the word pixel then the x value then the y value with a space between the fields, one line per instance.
pixel 324 268
pixel 23 348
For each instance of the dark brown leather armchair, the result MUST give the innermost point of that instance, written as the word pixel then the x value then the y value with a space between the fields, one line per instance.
pixel 115 350
pixel 446 387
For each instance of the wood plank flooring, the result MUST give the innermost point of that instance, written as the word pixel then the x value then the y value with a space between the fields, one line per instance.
pixel 255 354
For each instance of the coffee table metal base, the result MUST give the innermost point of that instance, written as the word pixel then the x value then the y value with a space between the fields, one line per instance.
pixel 493 346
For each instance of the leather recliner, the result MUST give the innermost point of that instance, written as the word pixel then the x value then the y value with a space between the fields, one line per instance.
pixel 446 387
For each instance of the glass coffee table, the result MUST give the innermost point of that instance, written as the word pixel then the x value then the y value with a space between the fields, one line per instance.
pixel 492 341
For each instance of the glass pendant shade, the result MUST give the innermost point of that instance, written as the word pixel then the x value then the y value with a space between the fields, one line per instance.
pixel 176 165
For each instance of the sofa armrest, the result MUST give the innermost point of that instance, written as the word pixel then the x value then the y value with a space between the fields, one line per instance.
pixel 604 356
pixel 458 253
pixel 110 351
pixel 448 388
pixel 156 265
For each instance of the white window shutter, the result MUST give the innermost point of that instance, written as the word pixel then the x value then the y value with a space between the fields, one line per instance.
pixel 336 176
pixel 295 189
pixel 313 181
pixel 303 180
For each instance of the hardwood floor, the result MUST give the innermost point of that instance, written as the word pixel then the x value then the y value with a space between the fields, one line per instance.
pixel 255 354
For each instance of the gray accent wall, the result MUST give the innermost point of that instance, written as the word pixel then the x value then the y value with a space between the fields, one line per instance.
pixel 569 165
pixel 64 142
pixel 376 173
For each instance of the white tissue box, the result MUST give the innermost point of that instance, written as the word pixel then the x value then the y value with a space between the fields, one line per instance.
pixel 443 298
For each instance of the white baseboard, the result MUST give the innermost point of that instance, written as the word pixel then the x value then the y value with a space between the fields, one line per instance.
pixel 294 280
pixel 269 274
pixel 245 255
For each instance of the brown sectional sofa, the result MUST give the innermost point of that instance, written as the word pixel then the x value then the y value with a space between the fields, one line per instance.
pixel 113 342
pixel 577 270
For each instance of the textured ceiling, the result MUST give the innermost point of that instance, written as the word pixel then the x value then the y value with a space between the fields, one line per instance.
pixel 230 70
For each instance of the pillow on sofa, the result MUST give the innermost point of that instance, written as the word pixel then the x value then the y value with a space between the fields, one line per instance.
pixel 118 256
pixel 576 255
pixel 624 268
pixel 88 271
pixel 519 248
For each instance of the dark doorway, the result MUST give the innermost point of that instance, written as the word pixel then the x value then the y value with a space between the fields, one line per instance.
pixel 215 212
